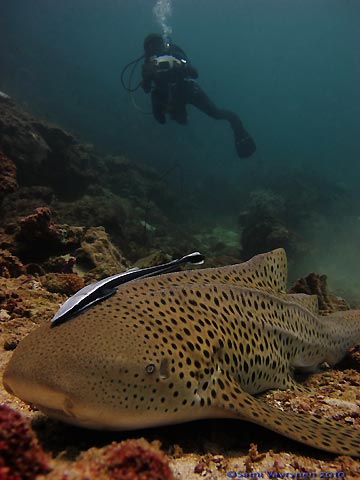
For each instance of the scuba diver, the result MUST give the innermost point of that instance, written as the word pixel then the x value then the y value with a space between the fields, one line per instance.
pixel 170 78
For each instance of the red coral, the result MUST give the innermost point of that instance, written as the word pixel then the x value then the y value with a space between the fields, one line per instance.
pixel 131 460
pixel 38 226
pixel 66 283
pixel 21 457
pixel 8 182
pixel 10 266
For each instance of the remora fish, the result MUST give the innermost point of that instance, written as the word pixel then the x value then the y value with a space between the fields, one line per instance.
pixel 184 346
pixel 98 291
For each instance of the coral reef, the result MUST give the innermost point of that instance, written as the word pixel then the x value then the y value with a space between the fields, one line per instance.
pixel 315 284
pixel 38 227
pixel 60 264
pixel 70 216
pixel 83 188
pixel 44 154
pixel 37 238
pixel 127 460
pixel 98 255
pixel 10 265
pixel 8 180
pixel 263 235
pixel 264 226
pixel 39 246
pixel 64 283
pixel 24 202
pixel 21 457
pixel 23 303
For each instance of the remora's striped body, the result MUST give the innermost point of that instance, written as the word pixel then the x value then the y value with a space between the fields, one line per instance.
pixel 188 345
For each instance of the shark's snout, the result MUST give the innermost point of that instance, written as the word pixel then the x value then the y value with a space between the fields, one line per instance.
pixel 52 402
pixel 35 393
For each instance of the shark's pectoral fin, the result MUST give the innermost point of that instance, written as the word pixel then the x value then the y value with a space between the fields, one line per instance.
pixel 312 430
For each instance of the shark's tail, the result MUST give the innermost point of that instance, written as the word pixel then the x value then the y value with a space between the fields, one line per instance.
pixel 344 329
pixel 313 430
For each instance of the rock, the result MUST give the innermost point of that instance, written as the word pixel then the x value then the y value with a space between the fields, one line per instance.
pixel 38 226
pixel 97 256
pixel 4 315
pixel 4 97
pixel 154 258
pixel 263 235
pixel 99 207
pixel 39 238
pixel 23 202
pixel 55 137
pixel 20 142
pixel 21 457
pixel 60 264
pixel 8 180
pixel 24 302
pixel 10 265
pixel 265 227
pixel 128 460
pixel 64 283
pixel 11 343
pixel 315 284
pixel 44 154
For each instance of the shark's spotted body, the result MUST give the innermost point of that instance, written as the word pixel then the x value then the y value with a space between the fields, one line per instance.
pixel 184 346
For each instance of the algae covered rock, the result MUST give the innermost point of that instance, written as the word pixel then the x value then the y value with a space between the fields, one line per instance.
pixel 97 255
pixel 127 460
pixel 65 283
pixel 21 457
pixel 315 284
pixel 8 179
pixel 10 265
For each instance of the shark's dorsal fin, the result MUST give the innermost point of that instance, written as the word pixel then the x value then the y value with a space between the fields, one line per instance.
pixel 310 302
pixel 267 271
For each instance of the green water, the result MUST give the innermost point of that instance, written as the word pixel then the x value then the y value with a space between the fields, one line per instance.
pixel 289 68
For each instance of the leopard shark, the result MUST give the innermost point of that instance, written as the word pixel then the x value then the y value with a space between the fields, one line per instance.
pixel 188 345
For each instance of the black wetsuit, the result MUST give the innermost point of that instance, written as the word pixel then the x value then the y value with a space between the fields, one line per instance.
pixel 170 78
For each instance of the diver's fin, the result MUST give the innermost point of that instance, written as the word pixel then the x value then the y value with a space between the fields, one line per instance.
pixel 245 145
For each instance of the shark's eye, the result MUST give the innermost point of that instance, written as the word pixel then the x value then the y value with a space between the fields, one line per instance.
pixel 150 368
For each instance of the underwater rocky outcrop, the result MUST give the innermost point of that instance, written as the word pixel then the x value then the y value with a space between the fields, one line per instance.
pixel 127 460
pixel 37 245
pixel 8 181
pixel 42 166
pixel 315 284
pixel 21 457
pixel 264 226
pixel 68 216
pixel 295 212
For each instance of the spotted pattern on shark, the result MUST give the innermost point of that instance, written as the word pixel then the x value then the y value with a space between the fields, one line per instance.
pixel 189 345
